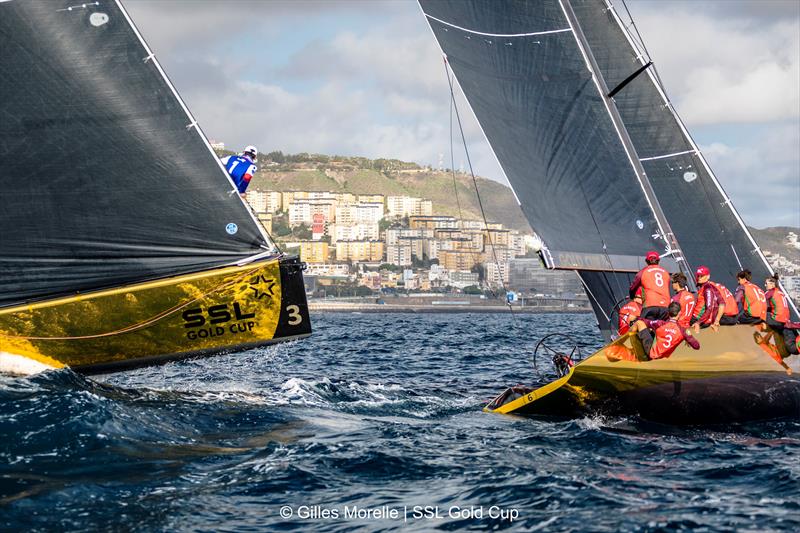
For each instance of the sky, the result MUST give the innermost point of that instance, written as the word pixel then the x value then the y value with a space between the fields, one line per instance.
pixel 366 78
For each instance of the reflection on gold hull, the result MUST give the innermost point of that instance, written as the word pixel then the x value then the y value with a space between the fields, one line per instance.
pixel 218 310
pixel 734 376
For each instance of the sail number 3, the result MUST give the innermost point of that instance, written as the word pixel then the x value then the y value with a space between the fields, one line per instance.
pixel 295 317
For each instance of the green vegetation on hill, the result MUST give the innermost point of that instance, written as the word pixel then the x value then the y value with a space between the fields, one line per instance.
pixel 391 177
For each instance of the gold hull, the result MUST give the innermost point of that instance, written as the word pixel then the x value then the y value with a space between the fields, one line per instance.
pixel 214 311
pixel 738 374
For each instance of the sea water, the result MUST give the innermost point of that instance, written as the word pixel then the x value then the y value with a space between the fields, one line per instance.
pixel 373 423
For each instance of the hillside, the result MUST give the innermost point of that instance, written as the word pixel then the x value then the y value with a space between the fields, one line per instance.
pixel 392 177
pixel 777 241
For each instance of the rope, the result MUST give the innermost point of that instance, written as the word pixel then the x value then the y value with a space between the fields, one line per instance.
pixel 478 194
pixel 143 324
pixel 452 152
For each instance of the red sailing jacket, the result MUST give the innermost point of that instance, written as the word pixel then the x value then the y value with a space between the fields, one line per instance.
pixel 687 301
pixel 751 300
pixel 731 309
pixel 777 306
pixel 669 336
pixel 653 283
pixel 708 300
pixel 628 312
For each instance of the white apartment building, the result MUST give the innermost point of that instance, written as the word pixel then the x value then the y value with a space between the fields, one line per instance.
pixel 339 270
pixel 399 254
pixel 289 197
pixel 500 254
pixel 303 211
pixel 497 274
pixel 463 278
pixel 356 232
pixel 406 206
pixel 360 213
pixel 517 243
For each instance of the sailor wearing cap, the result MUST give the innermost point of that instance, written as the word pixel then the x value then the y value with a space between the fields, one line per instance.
pixel 242 167
pixel 652 285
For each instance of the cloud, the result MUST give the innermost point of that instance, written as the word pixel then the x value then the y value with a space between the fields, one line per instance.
pixel 722 69
pixel 763 177
pixel 366 78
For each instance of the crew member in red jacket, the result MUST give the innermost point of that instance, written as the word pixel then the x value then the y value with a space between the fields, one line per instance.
pixel 661 337
pixel 778 313
pixel 684 298
pixel 710 305
pixel 628 313
pixel 652 284
pixel 731 311
pixel 750 300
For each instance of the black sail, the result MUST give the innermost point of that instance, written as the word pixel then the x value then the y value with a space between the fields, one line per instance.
pixel 105 179
pixel 520 74
pixel 528 84
pixel 701 216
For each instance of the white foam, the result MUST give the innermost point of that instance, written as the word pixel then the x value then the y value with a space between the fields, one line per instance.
pixel 18 365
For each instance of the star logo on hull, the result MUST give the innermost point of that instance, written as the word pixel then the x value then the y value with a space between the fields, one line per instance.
pixel 262 287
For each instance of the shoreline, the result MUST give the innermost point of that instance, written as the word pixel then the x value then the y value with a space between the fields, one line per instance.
pixel 339 307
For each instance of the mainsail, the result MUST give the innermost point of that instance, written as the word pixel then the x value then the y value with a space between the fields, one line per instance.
pixel 105 177
pixel 601 164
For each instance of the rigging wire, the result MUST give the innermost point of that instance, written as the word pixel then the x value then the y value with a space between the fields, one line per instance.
pixel 452 152
pixel 477 192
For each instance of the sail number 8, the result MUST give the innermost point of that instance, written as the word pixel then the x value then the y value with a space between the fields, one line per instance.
pixel 295 317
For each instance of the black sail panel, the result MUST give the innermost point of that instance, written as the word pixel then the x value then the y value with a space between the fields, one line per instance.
pixel 104 180
pixel 528 84
pixel 699 213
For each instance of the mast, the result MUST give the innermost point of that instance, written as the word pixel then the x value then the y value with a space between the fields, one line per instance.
pixel 672 246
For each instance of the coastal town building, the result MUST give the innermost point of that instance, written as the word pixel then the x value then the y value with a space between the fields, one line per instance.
pixel 497 274
pixel 406 206
pixel 462 279
pixel 432 222
pixel 330 270
pixel 265 201
pixel 314 251
pixel 399 254
pixel 303 211
pixel 371 199
pixel 455 260
pixel 359 250
pixel 265 219
pixel 359 213
pixel 355 232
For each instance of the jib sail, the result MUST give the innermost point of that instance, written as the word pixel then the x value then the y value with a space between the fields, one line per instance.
pixel 105 177
pixel 701 215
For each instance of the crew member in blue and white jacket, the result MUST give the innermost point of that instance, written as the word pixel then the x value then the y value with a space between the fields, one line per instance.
pixel 242 167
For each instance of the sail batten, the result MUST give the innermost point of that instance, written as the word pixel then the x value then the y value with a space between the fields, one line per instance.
pixel 105 177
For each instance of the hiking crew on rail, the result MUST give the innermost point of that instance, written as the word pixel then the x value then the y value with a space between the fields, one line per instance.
pixel 651 310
